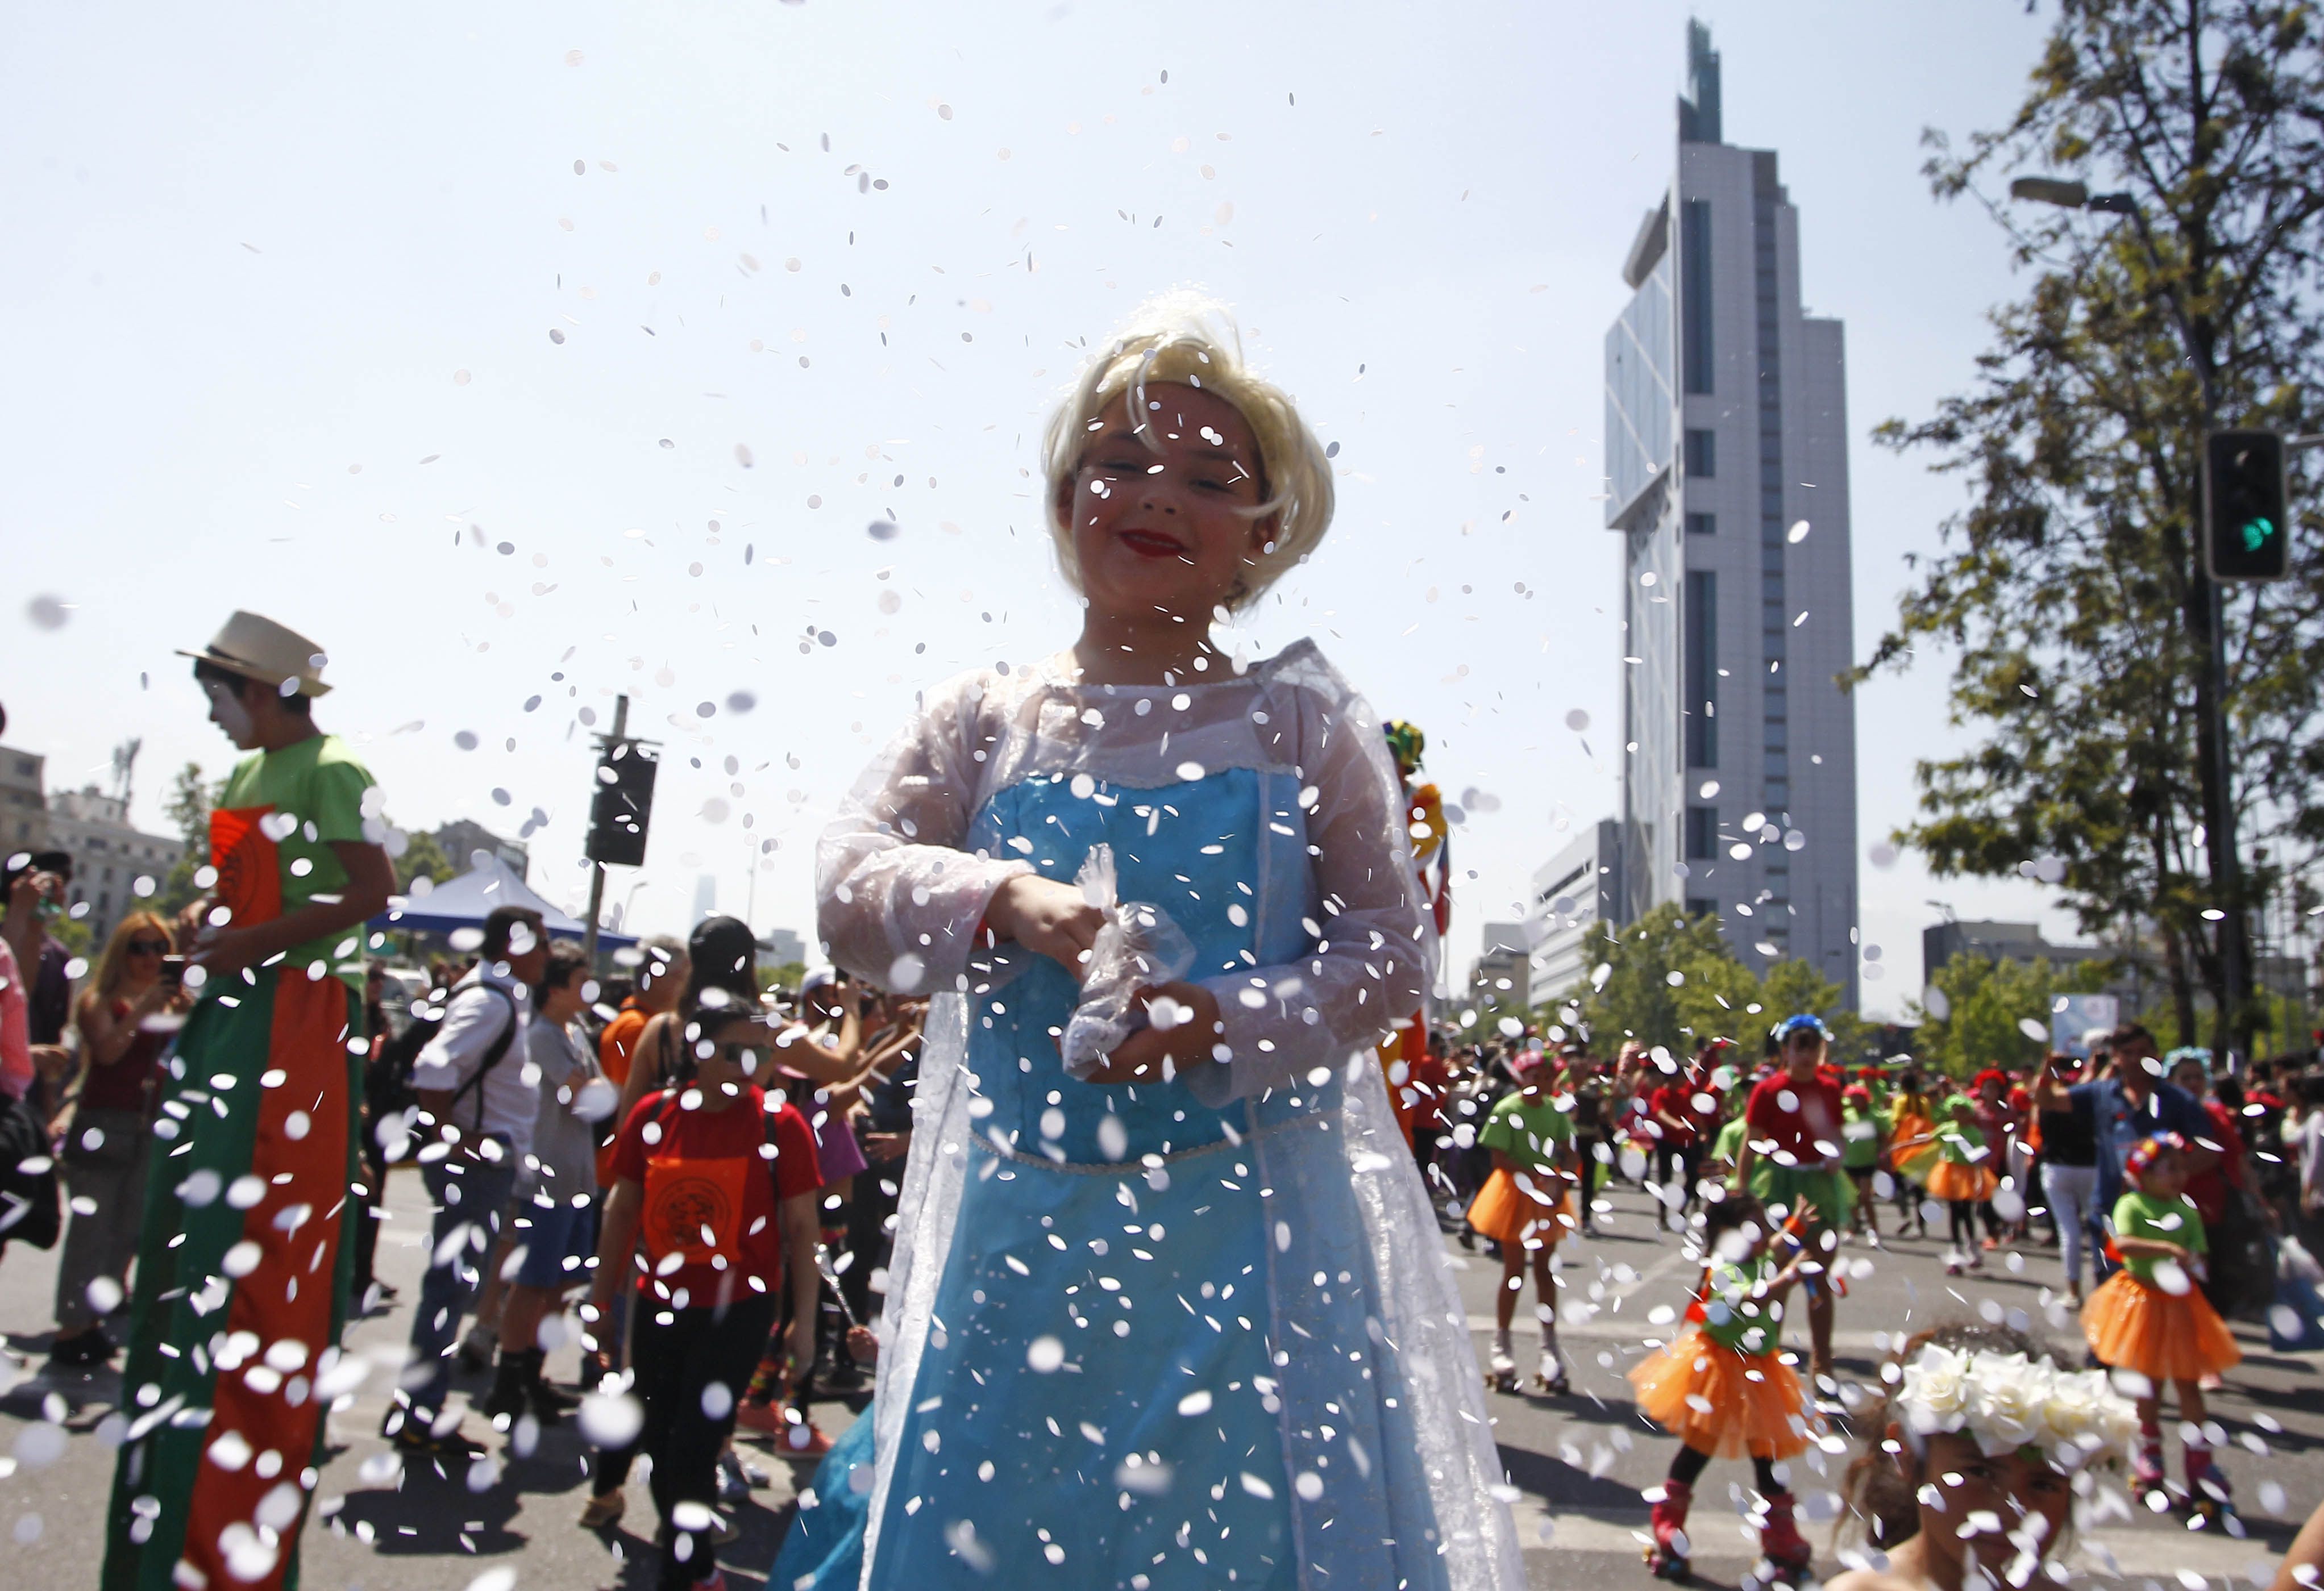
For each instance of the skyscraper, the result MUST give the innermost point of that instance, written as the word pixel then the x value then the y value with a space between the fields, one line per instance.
pixel 1726 462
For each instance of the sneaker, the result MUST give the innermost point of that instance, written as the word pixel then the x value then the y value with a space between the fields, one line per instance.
pixel 83 1350
pixel 415 1440
pixel 734 1489
pixel 802 1440
pixel 479 1349
pixel 760 1419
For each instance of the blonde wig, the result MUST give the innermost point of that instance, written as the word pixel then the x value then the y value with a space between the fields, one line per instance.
pixel 1194 340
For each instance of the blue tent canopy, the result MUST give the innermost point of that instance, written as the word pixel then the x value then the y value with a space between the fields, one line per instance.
pixel 466 901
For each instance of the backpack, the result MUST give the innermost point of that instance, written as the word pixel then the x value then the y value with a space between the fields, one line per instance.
pixel 29 1209
pixel 387 1076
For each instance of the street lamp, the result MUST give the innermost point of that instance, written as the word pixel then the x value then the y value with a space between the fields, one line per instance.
pixel 2070 196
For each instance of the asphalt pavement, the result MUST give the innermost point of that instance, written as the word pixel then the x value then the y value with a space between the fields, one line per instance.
pixel 1578 1462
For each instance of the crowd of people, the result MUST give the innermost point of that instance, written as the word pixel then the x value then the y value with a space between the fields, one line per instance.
pixel 2160 1177
pixel 1162 1311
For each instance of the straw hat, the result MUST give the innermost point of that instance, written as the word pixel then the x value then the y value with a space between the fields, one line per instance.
pixel 256 648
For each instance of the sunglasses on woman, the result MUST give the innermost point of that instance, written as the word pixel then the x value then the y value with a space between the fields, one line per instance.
pixel 149 947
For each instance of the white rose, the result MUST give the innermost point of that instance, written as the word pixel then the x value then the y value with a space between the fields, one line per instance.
pixel 1931 1392
pixel 2006 1404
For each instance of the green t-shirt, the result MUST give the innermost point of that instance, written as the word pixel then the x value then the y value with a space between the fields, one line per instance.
pixel 1732 1318
pixel 300 799
pixel 1729 1143
pixel 1529 1132
pixel 1960 1143
pixel 2172 1220
pixel 1860 1147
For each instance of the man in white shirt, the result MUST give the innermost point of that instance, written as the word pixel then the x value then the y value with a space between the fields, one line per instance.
pixel 477 1088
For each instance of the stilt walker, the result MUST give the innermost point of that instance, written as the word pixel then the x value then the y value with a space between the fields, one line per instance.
pixel 241 1279
pixel 1403 1050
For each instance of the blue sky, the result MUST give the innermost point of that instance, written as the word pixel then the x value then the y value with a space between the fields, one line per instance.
pixel 289 285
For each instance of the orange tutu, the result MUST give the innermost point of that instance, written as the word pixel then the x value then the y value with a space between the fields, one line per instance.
pixel 2133 1325
pixel 1949 1181
pixel 1913 1147
pixel 1722 1403
pixel 1511 1216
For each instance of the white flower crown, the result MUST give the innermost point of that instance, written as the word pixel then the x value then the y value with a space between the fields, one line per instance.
pixel 2007 1401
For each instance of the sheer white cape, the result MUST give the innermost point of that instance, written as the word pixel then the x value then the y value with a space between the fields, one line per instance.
pixel 900 905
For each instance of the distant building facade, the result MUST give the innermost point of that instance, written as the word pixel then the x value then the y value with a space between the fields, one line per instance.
pixel 23 802
pixel 462 838
pixel 781 947
pixel 109 856
pixel 1577 895
pixel 2137 975
pixel 1503 973
pixel 1726 468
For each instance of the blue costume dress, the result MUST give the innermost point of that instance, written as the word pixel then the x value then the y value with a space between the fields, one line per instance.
pixel 1170 1335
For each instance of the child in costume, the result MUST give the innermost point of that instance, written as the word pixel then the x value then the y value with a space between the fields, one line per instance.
pixel 1526 1206
pixel 1181 1312
pixel 2151 1317
pixel 1966 1479
pixel 1911 1148
pixel 1865 1138
pixel 1725 1391
pixel 1963 1180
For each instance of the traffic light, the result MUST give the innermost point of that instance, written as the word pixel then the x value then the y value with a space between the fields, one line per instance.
pixel 2246 528
pixel 623 804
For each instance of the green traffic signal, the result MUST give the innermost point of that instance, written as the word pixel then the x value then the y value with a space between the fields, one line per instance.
pixel 2244 508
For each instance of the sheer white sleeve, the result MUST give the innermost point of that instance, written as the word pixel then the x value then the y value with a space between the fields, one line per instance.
pixel 1376 952
pixel 899 900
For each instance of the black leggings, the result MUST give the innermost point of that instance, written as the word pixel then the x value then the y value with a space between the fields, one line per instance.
pixel 1962 1222
pixel 673 1364
pixel 1688 1466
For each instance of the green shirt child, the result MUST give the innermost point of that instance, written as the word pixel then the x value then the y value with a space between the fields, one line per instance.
pixel 1530 1132
pixel 1731 1316
pixel 2170 1221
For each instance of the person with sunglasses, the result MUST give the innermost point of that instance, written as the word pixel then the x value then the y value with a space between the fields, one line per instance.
pixel 106 1131
pixel 1791 1163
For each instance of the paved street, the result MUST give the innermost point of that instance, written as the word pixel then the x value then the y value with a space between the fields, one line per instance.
pixel 1579 1461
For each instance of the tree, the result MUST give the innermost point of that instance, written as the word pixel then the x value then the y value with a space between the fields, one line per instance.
pixel 1983 1001
pixel 188 807
pixel 1673 980
pixel 2070 586
pixel 422 858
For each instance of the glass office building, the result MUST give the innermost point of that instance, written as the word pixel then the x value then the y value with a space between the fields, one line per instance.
pixel 1727 469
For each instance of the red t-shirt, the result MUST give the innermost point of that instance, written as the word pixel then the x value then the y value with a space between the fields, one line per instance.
pixel 1796 1123
pixel 1676 1099
pixel 2207 1190
pixel 712 1179
pixel 1421 1100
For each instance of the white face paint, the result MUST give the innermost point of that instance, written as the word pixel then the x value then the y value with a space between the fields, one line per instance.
pixel 229 714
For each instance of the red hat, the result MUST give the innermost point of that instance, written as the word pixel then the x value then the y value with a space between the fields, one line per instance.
pixel 1990 1074
pixel 1858 1092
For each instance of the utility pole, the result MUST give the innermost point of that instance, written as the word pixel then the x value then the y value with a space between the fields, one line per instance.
pixel 2205 611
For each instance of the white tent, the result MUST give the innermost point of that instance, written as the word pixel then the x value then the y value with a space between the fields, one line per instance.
pixel 468 899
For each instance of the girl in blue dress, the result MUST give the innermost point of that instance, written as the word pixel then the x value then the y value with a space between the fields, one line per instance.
pixel 1186 1320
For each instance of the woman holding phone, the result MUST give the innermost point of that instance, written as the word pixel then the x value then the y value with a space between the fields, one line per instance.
pixel 107 1128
